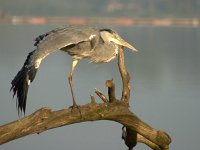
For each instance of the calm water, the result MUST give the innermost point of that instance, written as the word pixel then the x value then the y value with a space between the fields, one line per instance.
pixel 165 77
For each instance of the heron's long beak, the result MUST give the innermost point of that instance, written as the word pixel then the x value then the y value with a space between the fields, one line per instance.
pixel 124 43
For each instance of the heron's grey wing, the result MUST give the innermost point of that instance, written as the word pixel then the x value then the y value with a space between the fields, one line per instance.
pixel 61 37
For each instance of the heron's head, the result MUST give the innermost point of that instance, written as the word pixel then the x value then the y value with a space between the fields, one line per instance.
pixel 111 36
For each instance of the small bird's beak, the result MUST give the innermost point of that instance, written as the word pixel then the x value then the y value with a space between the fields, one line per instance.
pixel 124 43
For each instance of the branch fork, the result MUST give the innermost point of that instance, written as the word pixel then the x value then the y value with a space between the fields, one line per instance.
pixel 134 130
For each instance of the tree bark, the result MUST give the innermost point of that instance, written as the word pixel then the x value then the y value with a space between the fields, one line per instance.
pixel 45 119
pixel 134 130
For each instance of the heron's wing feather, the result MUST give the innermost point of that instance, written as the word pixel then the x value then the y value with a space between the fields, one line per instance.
pixel 60 38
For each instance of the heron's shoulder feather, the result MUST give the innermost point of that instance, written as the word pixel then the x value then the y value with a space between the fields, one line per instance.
pixel 62 37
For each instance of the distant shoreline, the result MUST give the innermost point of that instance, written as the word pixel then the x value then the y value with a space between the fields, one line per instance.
pixel 17 20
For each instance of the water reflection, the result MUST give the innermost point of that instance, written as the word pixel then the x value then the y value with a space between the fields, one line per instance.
pixel 165 78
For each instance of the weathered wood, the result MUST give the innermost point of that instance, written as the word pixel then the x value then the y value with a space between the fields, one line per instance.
pixel 45 119
pixel 101 95
pixel 131 138
pixel 135 130
pixel 111 90
pixel 125 77
pixel 152 145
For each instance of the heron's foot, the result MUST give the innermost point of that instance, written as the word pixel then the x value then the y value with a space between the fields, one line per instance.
pixel 74 107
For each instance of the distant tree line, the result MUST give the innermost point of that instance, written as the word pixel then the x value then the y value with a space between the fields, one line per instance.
pixel 108 8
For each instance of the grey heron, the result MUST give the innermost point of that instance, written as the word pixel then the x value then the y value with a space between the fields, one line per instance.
pixel 81 42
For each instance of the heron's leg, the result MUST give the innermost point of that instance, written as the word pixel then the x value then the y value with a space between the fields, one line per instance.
pixel 74 63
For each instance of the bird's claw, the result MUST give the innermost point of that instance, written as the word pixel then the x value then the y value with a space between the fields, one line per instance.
pixel 75 106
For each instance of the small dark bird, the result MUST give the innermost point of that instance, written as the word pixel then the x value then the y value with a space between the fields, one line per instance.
pixel 94 44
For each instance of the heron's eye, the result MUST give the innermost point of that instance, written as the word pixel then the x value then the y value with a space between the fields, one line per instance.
pixel 117 37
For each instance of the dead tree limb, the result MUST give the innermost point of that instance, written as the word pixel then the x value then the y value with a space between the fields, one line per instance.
pixel 134 130
pixel 131 138
pixel 45 119
pixel 125 77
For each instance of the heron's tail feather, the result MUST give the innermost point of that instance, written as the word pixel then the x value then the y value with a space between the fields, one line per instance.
pixel 21 82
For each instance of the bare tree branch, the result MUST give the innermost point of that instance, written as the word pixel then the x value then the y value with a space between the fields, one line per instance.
pixel 134 130
pixel 111 90
pixel 131 138
pixel 152 145
pixel 45 119
pixel 125 77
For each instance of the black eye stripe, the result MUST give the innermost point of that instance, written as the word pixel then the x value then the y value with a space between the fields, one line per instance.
pixel 108 30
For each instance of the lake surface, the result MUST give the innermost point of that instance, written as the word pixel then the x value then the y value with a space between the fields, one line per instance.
pixel 165 75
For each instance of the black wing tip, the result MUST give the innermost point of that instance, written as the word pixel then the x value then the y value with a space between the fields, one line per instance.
pixel 21 81
pixel 20 90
